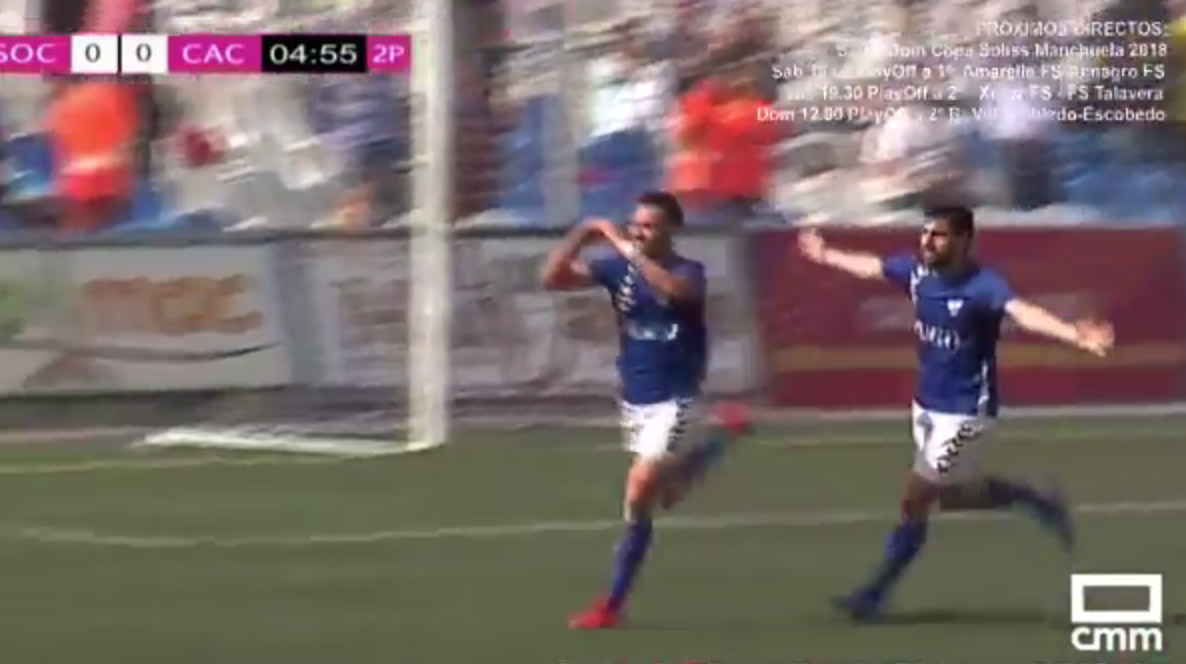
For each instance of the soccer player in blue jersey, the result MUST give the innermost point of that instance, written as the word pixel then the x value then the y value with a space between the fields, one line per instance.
pixel 659 298
pixel 959 306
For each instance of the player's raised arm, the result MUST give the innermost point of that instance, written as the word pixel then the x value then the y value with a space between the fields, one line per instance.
pixel 859 264
pixel 1095 337
pixel 564 269
pixel 681 284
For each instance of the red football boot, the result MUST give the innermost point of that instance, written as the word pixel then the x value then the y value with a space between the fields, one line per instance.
pixel 598 616
pixel 734 417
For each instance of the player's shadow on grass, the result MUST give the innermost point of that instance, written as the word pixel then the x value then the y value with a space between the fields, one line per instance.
pixel 948 616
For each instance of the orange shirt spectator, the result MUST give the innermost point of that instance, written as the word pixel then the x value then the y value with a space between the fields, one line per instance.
pixel 92 127
pixel 693 157
pixel 723 145
pixel 112 15
pixel 743 168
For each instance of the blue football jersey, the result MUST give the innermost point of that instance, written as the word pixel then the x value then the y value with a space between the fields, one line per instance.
pixel 957 322
pixel 664 346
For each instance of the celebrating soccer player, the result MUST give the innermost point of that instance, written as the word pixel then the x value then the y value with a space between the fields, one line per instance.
pixel 659 298
pixel 959 306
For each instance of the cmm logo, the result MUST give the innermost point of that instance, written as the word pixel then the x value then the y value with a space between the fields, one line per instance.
pixel 1116 631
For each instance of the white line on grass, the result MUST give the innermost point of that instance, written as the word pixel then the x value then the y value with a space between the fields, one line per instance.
pixel 892 435
pixel 898 434
pixel 69 436
pixel 805 519
pixel 125 463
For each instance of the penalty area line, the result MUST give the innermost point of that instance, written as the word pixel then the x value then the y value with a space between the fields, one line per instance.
pixel 805 519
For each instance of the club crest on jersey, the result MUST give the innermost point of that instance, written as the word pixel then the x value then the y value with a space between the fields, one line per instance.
pixel 954 307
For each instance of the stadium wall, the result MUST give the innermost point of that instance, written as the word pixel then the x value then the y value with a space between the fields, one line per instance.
pixel 234 315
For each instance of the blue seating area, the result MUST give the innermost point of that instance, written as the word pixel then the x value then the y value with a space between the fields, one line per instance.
pixel 1090 173
pixel 1093 175
pixel 30 179
pixel 32 166
pixel 613 170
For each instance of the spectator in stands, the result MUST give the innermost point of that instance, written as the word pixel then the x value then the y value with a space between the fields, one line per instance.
pixel 92 127
pixel 631 88
pixel 364 118
pixel 916 158
pixel 721 164
pixel 1178 71
pixel 62 17
pixel 631 93
pixel 155 107
pixel 752 37
pixel 1016 121
pixel 115 16
pixel 1024 142
pixel 1137 70
pixel 688 43
pixel 476 127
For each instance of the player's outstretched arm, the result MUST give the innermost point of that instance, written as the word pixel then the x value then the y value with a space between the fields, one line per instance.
pixel 564 269
pixel 814 248
pixel 1095 337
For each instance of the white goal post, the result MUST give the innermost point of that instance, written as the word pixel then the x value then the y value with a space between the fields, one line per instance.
pixel 429 311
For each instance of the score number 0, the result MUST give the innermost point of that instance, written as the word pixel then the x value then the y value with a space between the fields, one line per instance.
pixel 145 54
pixel 94 54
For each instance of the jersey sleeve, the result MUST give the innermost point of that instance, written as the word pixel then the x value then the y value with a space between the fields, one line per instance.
pixel 693 273
pixel 997 294
pixel 607 271
pixel 897 269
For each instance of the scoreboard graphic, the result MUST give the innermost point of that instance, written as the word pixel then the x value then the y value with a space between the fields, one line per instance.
pixel 139 54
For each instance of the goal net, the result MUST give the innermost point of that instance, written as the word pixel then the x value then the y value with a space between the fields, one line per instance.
pixel 406 336
pixel 388 414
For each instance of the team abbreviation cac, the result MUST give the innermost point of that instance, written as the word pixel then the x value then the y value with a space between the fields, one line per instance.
pixel 214 54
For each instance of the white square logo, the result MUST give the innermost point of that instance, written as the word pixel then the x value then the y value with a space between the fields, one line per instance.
pixel 1101 631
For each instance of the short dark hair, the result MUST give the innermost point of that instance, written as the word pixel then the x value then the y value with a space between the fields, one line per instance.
pixel 667 203
pixel 960 219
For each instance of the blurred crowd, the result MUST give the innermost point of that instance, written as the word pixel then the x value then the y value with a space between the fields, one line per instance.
pixel 755 113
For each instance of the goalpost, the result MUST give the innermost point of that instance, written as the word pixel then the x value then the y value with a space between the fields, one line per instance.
pixel 419 382
pixel 429 312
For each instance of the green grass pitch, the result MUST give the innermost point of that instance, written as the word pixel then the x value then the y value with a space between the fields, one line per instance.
pixel 477 552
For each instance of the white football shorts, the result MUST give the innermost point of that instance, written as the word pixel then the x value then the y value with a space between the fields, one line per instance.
pixel 947 445
pixel 655 430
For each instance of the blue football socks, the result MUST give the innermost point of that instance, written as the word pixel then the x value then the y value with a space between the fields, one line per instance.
pixel 632 550
pixel 901 548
